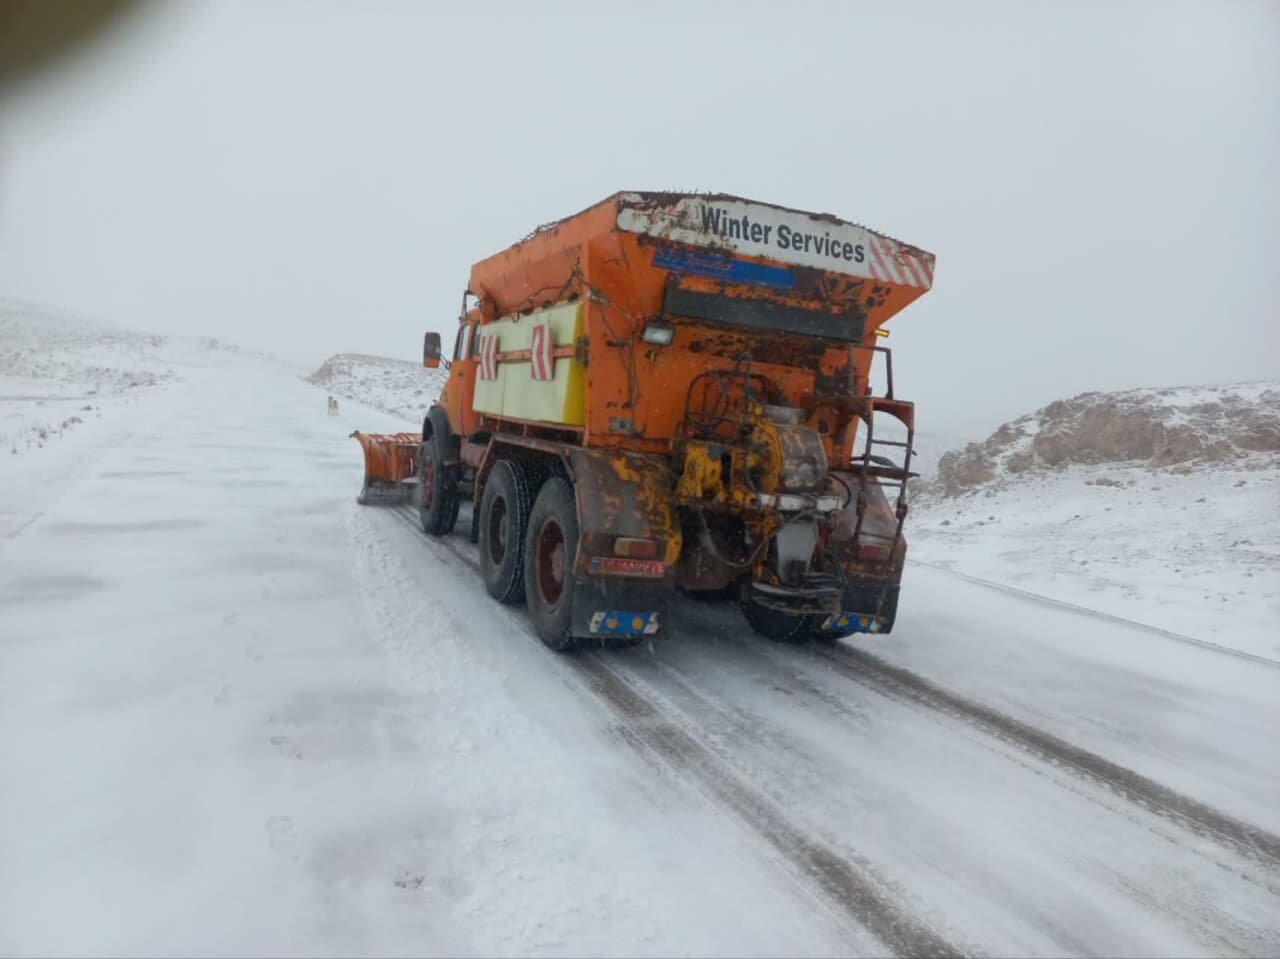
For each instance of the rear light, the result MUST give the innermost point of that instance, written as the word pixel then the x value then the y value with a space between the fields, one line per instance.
pixel 635 548
pixel 871 553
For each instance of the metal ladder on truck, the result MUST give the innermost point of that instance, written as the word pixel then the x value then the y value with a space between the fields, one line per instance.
pixel 888 473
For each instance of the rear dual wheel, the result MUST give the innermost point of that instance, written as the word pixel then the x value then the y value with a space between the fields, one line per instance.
pixel 528 546
pixel 550 549
pixel 504 518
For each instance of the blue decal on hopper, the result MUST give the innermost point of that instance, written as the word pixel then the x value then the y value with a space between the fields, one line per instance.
pixel 723 268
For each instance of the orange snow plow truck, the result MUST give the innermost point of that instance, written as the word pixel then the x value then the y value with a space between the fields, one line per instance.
pixel 668 393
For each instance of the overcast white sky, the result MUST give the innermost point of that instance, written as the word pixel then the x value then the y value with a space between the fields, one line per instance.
pixel 1099 181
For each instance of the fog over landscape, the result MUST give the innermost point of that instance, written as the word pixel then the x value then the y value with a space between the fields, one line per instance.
pixel 307 178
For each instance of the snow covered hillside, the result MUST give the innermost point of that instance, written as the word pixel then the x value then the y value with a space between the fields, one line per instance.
pixel 398 387
pixel 58 369
pixel 64 374
pixel 1183 429
pixel 1162 506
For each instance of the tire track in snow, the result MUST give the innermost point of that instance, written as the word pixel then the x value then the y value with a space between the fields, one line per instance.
pixel 1202 819
pixel 903 685
pixel 730 731
pixel 845 884
pixel 647 728
pixel 808 679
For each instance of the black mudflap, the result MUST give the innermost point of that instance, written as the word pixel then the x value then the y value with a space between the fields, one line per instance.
pixel 619 609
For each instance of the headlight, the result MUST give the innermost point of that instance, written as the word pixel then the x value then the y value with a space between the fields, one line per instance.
pixel 658 333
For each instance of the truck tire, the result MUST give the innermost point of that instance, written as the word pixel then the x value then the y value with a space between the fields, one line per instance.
pixel 437 490
pixel 549 552
pixel 504 517
pixel 776 625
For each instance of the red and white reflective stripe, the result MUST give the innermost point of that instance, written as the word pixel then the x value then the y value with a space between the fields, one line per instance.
pixel 922 268
pixel 542 364
pixel 889 256
pixel 926 264
pixel 879 262
pixel 489 356
pixel 912 267
pixel 890 264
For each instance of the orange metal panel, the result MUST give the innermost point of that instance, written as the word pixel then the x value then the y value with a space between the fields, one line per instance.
pixel 389 457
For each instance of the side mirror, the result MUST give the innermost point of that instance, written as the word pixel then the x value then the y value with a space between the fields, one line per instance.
pixel 431 350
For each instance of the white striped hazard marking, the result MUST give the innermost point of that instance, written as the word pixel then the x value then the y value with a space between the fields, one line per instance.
pixel 542 364
pixel 891 265
pixel 489 356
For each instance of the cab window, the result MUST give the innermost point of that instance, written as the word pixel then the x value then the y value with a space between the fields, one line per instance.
pixel 462 345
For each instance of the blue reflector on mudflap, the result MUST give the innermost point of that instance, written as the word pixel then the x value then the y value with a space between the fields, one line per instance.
pixel 617 622
pixel 849 623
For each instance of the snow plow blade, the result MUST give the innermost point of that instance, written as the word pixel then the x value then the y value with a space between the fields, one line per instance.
pixel 390 467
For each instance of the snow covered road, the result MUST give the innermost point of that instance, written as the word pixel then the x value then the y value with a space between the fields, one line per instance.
pixel 240 714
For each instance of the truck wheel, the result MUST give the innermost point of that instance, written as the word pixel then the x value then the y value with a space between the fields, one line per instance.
pixel 549 553
pixel 777 625
pixel 438 494
pixel 504 516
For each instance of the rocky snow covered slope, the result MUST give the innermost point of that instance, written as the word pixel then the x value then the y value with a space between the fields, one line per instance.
pixel 1184 429
pixel 398 387
pixel 1160 505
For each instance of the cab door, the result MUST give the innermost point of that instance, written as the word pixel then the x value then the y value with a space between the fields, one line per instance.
pixel 460 387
